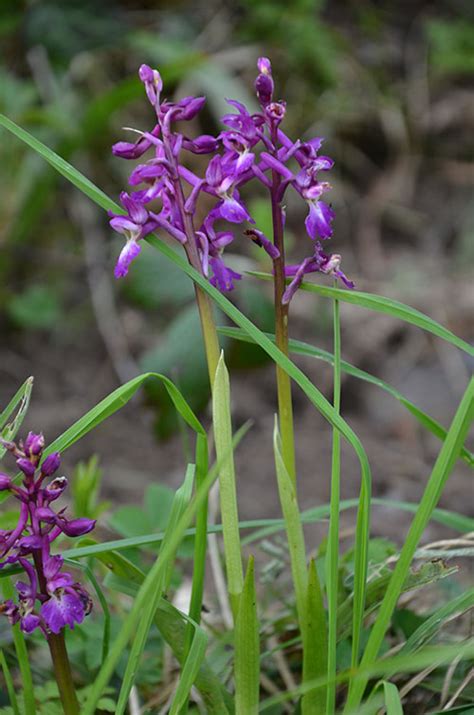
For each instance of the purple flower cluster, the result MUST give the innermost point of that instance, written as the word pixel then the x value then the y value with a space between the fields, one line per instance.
pixel 50 599
pixel 252 146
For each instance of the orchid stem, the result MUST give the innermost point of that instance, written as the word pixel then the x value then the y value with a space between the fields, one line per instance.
pixel 332 560
pixel 63 674
pixel 285 404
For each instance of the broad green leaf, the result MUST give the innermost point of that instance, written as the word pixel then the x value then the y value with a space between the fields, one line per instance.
pixel 247 648
pixel 222 422
pixel 315 642
pixel 439 476
pixel 301 348
pixel 380 304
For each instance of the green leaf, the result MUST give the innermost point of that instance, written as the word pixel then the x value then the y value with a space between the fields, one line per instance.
pixel 20 402
pixel 315 643
pixel 294 529
pixel 439 476
pixel 380 304
pixel 247 648
pixel 393 703
pixel 190 669
pixel 301 348
pixel 9 683
pixel 38 308
pixel 22 657
pixel 222 422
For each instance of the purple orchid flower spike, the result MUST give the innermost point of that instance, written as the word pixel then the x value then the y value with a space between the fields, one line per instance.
pixel 50 599
pixel 250 147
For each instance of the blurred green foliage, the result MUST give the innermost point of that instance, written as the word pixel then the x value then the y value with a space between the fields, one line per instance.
pixel 347 70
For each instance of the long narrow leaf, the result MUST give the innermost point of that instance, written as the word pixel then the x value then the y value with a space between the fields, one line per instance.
pixel 9 425
pixel 315 645
pixel 22 657
pixel 439 476
pixel 298 347
pixel 381 304
pixel 193 662
pixel 9 683
pixel 247 648
pixel 221 416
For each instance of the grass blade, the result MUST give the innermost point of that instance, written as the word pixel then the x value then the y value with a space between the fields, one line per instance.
pixel 22 657
pixel 381 304
pixel 9 684
pixel 221 417
pixel 192 664
pixel 247 649
pixel 294 529
pixel 439 476
pixel 315 646
pixel 393 704
pixel 20 402
pixel 298 347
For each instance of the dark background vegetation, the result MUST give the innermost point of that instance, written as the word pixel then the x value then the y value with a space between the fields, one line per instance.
pixel 387 84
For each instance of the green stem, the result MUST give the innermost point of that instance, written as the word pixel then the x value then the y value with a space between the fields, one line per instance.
pixel 63 674
pixel 22 656
pixel 332 559
pixel 285 404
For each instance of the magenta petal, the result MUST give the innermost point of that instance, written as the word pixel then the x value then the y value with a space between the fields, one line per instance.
pixel 129 252
pixel 62 610
pixel 136 210
pixel 29 622
pixel 233 211
pixel 122 224
pixel 318 221
pixel 77 527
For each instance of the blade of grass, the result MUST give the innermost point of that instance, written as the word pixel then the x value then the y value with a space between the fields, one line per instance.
pixel 399 664
pixel 315 645
pixel 192 664
pixel 161 584
pixel 221 418
pixel 9 684
pixel 22 657
pixel 435 622
pixel 20 402
pixel 294 529
pixel 298 347
pixel 439 476
pixel 393 704
pixel 381 304
pixel 247 648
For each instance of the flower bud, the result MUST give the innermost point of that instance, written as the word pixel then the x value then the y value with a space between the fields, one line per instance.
pixel 51 464
pixel 188 107
pixel 5 482
pixel 55 489
pixel 43 513
pixel 34 444
pixel 26 467
pixel 77 527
